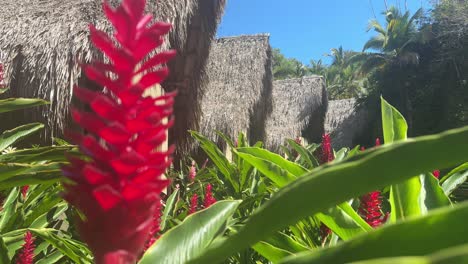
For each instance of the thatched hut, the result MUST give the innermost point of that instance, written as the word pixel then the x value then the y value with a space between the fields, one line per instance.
pixel 41 43
pixel 299 107
pixel 237 96
pixel 345 121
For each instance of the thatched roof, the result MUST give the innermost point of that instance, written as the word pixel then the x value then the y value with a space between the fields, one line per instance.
pixel 344 122
pixel 237 97
pixel 299 107
pixel 42 41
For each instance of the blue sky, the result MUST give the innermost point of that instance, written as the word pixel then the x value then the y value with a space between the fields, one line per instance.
pixel 307 29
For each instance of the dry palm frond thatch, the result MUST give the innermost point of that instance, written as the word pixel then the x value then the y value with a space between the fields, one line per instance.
pixel 299 107
pixel 41 42
pixel 237 97
pixel 345 122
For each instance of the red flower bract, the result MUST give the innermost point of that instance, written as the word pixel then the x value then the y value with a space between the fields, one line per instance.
pixel 209 199
pixel 327 151
pixel 370 209
pixel 117 186
pixel 193 204
pixel 26 255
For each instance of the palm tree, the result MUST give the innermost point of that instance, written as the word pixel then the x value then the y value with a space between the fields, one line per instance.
pixel 395 47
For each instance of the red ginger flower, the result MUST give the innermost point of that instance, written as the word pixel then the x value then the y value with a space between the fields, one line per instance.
pixel 370 209
pixel 209 199
pixel 327 151
pixel 371 205
pixel 27 250
pixel 377 142
pixel 117 186
pixel 24 191
pixel 156 226
pixel 193 204
pixel 327 156
pixel 436 174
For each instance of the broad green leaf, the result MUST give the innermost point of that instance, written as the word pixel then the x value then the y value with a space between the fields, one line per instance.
pixel 189 239
pixel 46 218
pixel 271 170
pixel 343 221
pixel 8 209
pixel 305 154
pixel 51 258
pixel 290 167
pixel 455 178
pixel 393 123
pixel 271 252
pixel 12 104
pixel 218 158
pixel 335 218
pixel 169 207
pixel 442 228
pixel 10 137
pixel 74 250
pixel 285 242
pixel 341 154
pixel 15 174
pixel 4 258
pixel 54 153
pixel 317 191
pixel 404 196
pixel 432 196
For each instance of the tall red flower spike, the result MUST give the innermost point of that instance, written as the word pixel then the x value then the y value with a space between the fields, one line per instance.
pixel 326 156
pixel 24 191
pixel 327 151
pixel 156 226
pixel 371 205
pixel 26 255
pixel 117 186
pixel 371 209
pixel 193 204
pixel 192 172
pixel 377 142
pixel 209 199
pixel 436 174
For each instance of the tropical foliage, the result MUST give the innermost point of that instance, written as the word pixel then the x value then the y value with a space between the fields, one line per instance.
pixel 244 204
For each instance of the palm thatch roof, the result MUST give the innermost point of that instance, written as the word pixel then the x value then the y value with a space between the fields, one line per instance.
pixel 299 107
pixel 237 96
pixel 345 121
pixel 41 43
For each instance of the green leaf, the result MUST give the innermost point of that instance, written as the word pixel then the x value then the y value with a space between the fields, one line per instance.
pixel 455 178
pixel 440 229
pixel 271 252
pixel 51 154
pixel 190 239
pixel 169 207
pixel 309 158
pixel 12 104
pixel 431 196
pixel 271 170
pixel 74 250
pixel 290 167
pixel 344 221
pixel 285 242
pixel 404 196
pixel 10 137
pixel 8 209
pixel 4 258
pixel 12 175
pixel 218 158
pixel 317 191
